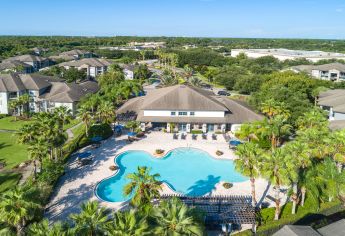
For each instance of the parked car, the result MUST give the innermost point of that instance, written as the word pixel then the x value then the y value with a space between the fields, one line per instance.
pixel 223 93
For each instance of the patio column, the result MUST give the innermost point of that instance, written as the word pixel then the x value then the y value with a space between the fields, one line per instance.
pixel 142 127
pixel 223 128
pixel 168 128
pixel 204 128
pixel 188 128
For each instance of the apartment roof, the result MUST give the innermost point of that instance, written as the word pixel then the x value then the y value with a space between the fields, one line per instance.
pixel 188 98
pixel 74 52
pixel 335 229
pixel 331 66
pixel 14 82
pixel 11 83
pixel 296 230
pixel 62 92
pixel 37 81
pixel 26 58
pixel 7 65
pixel 333 98
pixel 96 62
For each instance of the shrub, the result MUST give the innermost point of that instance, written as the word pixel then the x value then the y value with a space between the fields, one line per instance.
pixel 103 130
pixel 227 185
pixel 196 131
pixel 113 168
pixel 159 151
pixel 219 153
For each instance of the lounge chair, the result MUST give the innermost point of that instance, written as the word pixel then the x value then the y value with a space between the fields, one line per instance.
pixel 204 136
pixel 214 136
pixel 175 136
pixel 183 136
pixel 194 136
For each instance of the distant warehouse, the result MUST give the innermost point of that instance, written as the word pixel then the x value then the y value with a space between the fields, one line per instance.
pixel 286 54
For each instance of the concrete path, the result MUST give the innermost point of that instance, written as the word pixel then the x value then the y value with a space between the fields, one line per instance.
pixel 69 132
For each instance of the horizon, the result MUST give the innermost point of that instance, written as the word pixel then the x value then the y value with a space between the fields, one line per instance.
pixel 266 19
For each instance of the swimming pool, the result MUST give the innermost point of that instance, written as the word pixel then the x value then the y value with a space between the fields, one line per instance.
pixel 189 171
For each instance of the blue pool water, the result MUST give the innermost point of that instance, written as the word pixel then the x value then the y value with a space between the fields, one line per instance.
pixel 186 170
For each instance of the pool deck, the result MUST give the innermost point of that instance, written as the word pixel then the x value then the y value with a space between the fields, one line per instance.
pixel 79 182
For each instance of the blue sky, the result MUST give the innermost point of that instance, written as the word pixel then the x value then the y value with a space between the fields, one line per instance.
pixel 204 18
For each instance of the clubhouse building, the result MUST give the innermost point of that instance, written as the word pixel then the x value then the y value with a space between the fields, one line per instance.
pixel 184 108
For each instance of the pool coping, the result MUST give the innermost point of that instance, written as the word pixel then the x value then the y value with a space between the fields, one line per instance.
pixel 155 157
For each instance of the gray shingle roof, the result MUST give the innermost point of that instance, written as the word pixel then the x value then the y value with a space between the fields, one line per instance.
pixel 188 98
pixel 26 58
pixel 335 229
pixel 62 92
pixel 11 83
pixel 331 66
pixel 96 62
pixel 7 65
pixel 333 98
pixel 37 81
pixel 182 98
pixel 296 230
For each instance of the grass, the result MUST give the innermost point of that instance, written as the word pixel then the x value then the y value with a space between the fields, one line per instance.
pixel 9 123
pixel 12 154
pixel 73 122
pixel 10 151
pixel 8 180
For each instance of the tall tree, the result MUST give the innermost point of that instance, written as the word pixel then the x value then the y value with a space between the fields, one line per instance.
pixel 129 223
pixel 172 217
pixel 143 187
pixel 274 169
pixel 92 220
pixel 17 208
pixel 248 163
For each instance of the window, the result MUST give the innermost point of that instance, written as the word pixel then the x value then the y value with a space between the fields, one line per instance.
pixel 173 113
pixel 182 113
pixel 192 113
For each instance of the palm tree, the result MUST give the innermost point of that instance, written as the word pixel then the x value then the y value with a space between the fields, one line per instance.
pixel 299 158
pixel 274 169
pixel 23 103
pixel 63 116
pixel 16 208
pixel 37 152
pixel 143 186
pixel 143 54
pixel 273 108
pixel 336 142
pixel 14 106
pixel 42 229
pixel 86 117
pixel 188 72
pixel 129 223
pixel 196 82
pixel 167 79
pixel 315 118
pixel 92 219
pixel 106 112
pixel 27 133
pixel 172 217
pixel 249 163
pixel 330 180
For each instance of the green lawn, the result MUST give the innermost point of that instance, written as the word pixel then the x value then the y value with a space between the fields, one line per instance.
pixel 9 123
pixel 10 151
pixel 8 180
pixel 72 123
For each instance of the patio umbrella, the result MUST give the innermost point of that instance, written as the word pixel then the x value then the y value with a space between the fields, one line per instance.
pixel 235 143
pixel 131 134
pixel 96 139
pixel 84 154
